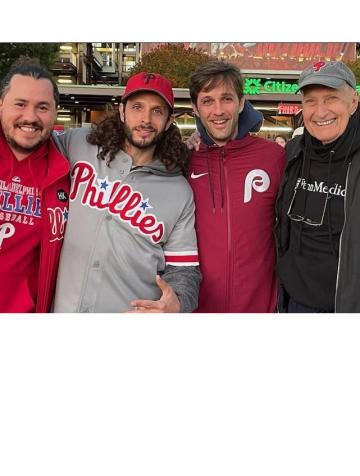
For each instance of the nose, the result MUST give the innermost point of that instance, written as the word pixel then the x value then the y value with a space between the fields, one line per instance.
pixel 29 114
pixel 146 116
pixel 321 110
pixel 218 110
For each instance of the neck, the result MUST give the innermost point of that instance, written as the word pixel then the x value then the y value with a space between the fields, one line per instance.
pixel 140 156
pixel 221 142
pixel 19 155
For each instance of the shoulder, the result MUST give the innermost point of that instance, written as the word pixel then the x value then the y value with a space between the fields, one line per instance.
pixel 294 146
pixel 78 133
pixel 70 135
pixel 263 149
pixel 268 145
pixel 180 187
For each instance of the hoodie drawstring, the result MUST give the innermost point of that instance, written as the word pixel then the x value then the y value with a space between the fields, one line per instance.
pixel 332 247
pixel 211 185
pixel 305 178
pixel 221 179
pixel 221 163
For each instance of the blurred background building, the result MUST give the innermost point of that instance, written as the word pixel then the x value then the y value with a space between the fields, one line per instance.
pixel 92 76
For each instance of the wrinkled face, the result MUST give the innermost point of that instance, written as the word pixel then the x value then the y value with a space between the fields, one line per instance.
pixel 27 114
pixel 281 141
pixel 327 111
pixel 145 117
pixel 219 110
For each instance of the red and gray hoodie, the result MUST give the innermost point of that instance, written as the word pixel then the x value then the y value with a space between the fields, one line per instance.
pixel 33 213
pixel 235 188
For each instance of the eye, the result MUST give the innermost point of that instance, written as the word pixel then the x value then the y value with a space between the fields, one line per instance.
pixel 158 111
pixel 19 104
pixel 228 99
pixel 136 106
pixel 206 101
pixel 43 108
pixel 308 101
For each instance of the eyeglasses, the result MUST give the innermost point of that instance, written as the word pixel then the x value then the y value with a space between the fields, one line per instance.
pixel 308 221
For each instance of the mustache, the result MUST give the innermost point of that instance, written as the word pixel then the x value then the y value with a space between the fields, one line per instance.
pixel 145 128
pixel 35 124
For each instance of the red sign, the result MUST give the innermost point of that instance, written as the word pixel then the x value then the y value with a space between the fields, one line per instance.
pixel 286 109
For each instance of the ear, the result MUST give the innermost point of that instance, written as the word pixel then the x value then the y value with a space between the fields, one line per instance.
pixel 170 121
pixel 122 112
pixel 355 102
pixel 241 104
pixel 195 109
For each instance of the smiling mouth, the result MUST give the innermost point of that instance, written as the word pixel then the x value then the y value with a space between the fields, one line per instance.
pixel 28 128
pixel 219 122
pixel 325 123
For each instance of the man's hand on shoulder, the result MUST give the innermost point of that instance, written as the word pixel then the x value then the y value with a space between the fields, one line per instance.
pixel 193 142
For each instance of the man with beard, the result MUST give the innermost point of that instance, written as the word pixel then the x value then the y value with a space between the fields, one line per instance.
pixel 34 187
pixel 130 242
pixel 318 226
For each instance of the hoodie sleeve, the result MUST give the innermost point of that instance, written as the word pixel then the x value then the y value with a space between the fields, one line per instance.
pixel 185 282
pixel 181 257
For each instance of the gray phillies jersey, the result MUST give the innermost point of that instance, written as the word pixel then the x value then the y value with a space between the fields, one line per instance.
pixel 125 226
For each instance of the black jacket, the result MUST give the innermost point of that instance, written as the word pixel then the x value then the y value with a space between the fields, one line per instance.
pixel 347 296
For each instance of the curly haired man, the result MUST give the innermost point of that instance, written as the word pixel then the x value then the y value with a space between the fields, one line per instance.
pixel 130 242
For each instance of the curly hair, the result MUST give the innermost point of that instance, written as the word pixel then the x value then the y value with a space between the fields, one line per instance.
pixel 109 136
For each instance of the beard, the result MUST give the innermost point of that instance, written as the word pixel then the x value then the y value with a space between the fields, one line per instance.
pixel 143 143
pixel 26 149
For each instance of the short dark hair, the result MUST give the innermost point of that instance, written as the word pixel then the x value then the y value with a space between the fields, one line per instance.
pixel 32 69
pixel 214 72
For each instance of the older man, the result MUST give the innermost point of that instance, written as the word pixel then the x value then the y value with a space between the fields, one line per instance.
pixel 318 227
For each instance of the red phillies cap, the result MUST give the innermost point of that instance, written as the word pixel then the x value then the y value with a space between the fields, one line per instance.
pixel 152 82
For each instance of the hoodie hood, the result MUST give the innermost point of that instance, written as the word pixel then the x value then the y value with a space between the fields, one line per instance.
pixel 250 120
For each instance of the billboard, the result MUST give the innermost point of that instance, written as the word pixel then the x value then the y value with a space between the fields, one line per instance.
pixel 256 57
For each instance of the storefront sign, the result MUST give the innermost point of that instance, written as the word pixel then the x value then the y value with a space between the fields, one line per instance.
pixel 258 85
pixel 253 86
pixel 287 109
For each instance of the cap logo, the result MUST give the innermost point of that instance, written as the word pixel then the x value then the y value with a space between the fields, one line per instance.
pixel 317 66
pixel 148 77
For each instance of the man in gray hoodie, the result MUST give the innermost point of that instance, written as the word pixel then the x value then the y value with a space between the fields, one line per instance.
pixel 130 243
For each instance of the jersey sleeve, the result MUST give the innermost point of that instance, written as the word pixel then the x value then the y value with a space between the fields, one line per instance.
pixel 181 258
pixel 181 247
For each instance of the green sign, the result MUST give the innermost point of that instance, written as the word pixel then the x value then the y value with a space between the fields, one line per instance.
pixel 257 86
pixel 254 86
